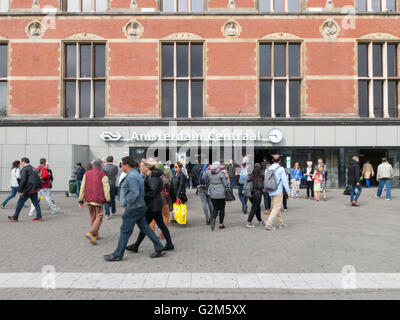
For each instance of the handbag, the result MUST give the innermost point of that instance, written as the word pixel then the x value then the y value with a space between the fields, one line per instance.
pixel 229 196
pixel 180 212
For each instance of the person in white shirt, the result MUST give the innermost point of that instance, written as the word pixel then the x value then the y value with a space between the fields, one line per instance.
pixel 14 185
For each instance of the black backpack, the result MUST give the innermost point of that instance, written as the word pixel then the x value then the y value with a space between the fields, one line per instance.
pixel 36 180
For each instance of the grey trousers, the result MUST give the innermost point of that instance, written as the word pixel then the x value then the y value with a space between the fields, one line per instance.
pixel 206 202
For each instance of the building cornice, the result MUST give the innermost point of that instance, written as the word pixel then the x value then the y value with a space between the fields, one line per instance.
pixel 248 121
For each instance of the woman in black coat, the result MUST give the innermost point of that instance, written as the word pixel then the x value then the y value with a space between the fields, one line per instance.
pixel 153 186
pixel 178 188
pixel 257 178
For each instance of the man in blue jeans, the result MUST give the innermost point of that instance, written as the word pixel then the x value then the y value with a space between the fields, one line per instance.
pixel 80 172
pixel 353 179
pixel 131 197
pixel 384 177
pixel 29 187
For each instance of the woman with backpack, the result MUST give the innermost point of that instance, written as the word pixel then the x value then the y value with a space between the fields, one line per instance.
pixel 257 181
pixel 202 191
pixel 165 198
pixel 216 190
pixel 14 185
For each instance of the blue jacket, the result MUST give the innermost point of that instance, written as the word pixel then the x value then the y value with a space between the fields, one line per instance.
pixel 281 179
pixel 296 174
pixel 131 191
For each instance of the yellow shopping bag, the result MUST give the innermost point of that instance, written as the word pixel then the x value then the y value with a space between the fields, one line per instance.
pixel 180 212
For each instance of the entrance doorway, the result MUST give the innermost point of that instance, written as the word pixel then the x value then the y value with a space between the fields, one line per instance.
pixel 375 158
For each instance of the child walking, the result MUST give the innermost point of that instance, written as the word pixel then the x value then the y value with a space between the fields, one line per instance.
pixel 317 177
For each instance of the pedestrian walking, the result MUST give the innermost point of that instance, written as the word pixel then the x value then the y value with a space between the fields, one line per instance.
pixel 353 179
pixel 384 176
pixel 178 184
pixel 131 195
pixel 79 172
pixel 14 185
pixel 317 178
pixel 153 187
pixel 280 176
pixel 29 188
pixel 202 191
pixel 231 168
pixel 367 173
pixel 324 172
pixel 45 190
pixel 296 176
pixel 95 190
pixel 244 175
pixel 309 173
pixel 165 198
pixel 257 179
pixel 267 198
pixel 111 170
pixel 216 190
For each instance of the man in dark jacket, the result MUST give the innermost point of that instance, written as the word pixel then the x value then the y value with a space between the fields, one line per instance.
pixel 353 179
pixel 111 171
pixel 29 187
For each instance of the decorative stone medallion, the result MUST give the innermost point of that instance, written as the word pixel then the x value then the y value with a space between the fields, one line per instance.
pixel 329 29
pixel 133 30
pixel 34 30
pixel 231 29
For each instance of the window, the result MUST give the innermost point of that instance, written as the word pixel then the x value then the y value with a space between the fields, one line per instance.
pixel 279 5
pixel 87 5
pixel 3 79
pixel 85 80
pixel 279 79
pixel 182 6
pixel 4 5
pixel 376 5
pixel 182 79
pixel 378 79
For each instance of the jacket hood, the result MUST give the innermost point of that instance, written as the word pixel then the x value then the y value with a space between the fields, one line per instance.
pixel 216 171
pixel 156 173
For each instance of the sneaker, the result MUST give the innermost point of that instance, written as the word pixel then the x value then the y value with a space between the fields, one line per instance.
pixel 108 217
pixel 261 223
pixel 208 222
pixel 24 206
pixel 55 211
pixel 377 197
pixel 388 199
pixel 37 220
pixel 3 205
pixel 270 228
pixel 282 226
pixel 222 227
pixel 355 204
pixel 31 214
pixel 249 225
pixel 157 254
pixel 12 219
pixel 284 210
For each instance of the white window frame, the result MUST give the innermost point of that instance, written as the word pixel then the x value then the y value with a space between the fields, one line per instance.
pixel 285 4
pixel 384 78
pixel 5 79
pixel 93 6
pixel 7 2
pixel 383 6
pixel 189 6
pixel 286 78
pixel 78 79
pixel 175 77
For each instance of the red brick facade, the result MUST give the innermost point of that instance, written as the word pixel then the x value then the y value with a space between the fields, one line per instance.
pixel 231 86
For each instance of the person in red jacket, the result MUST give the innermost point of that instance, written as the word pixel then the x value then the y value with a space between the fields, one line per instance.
pixel 45 191
pixel 95 190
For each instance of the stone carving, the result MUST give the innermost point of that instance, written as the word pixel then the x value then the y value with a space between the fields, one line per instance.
pixel 34 29
pixel 379 36
pixel 35 4
pixel 329 5
pixel 182 36
pixel 84 36
pixel 329 29
pixel 133 4
pixel 133 29
pixel 231 4
pixel 231 29
pixel 281 36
